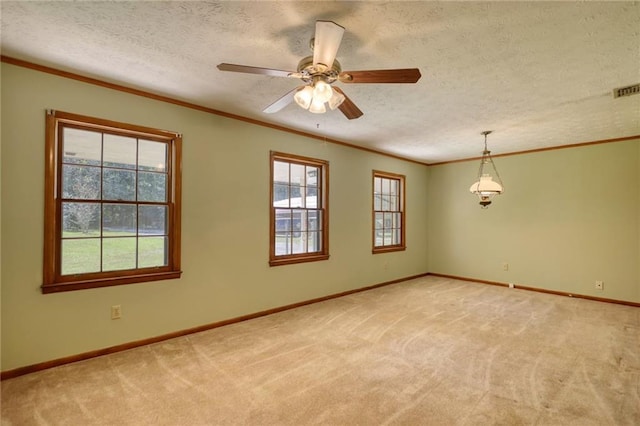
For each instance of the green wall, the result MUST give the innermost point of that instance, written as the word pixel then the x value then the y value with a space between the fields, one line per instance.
pixel 225 225
pixel 567 218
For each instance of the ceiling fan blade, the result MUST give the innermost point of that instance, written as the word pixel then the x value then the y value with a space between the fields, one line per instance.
pixel 348 108
pixel 282 102
pixel 327 41
pixel 256 70
pixel 405 75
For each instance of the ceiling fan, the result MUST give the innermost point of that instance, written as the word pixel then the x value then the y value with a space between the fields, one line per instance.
pixel 320 71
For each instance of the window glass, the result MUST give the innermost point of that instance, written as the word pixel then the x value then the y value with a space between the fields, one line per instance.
pixel 112 216
pixel 388 211
pixel 298 209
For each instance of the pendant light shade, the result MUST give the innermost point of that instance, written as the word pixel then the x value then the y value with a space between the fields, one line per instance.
pixel 336 100
pixel 322 91
pixel 486 187
pixel 317 107
pixel 304 96
pixel 314 97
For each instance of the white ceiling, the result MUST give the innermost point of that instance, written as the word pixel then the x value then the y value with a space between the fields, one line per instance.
pixel 539 74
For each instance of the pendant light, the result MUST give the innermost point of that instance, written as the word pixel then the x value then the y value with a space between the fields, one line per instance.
pixel 485 187
pixel 314 96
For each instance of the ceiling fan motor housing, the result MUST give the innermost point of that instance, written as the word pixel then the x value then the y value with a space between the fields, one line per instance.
pixel 310 72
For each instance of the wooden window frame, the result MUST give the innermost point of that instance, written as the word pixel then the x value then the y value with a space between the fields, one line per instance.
pixel 402 182
pixel 323 199
pixel 53 280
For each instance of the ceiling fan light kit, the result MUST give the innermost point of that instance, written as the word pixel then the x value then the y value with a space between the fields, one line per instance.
pixel 320 71
pixel 485 187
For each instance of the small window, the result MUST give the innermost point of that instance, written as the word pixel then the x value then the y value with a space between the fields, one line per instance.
pixel 299 214
pixel 112 203
pixel 388 212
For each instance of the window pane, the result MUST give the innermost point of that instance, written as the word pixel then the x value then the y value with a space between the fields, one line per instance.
pixel 152 220
pixel 393 203
pixel 118 254
pixel 81 146
pixel 379 228
pixel 80 182
pixel 377 201
pixel 80 220
pixel 152 186
pixel 80 256
pixel 377 185
pixel 280 195
pixel 299 199
pixel 119 151
pixel 119 219
pixel 281 172
pixel 386 238
pixel 314 220
pixel 299 243
pixel 312 176
pixel 299 221
pixel 393 186
pixel 396 236
pixel 283 243
pixel 118 185
pixel 386 189
pixel 283 220
pixel 379 221
pixel 384 202
pixel 312 200
pixel 314 242
pixel 388 220
pixel 152 251
pixel 397 220
pixel 297 175
pixel 152 156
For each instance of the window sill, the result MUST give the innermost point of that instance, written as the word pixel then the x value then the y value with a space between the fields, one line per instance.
pixel 387 249
pixel 298 259
pixel 108 282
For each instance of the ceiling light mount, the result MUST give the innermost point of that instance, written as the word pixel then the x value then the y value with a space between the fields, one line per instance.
pixel 485 187
pixel 307 70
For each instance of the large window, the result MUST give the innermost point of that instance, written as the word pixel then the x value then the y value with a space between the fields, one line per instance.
pixel 388 212
pixel 299 217
pixel 112 203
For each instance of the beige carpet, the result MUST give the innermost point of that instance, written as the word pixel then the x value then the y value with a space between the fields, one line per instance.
pixel 429 351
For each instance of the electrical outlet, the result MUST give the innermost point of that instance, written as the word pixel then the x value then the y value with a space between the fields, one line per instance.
pixel 600 285
pixel 505 266
pixel 116 312
pixel 511 285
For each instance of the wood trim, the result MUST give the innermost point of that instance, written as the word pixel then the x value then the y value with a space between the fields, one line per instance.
pixel 20 371
pixel 50 216
pixel 57 287
pixel 539 290
pixel 166 99
pixel 551 148
pixel 176 224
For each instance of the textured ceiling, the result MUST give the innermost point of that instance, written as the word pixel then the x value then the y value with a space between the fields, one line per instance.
pixel 539 74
